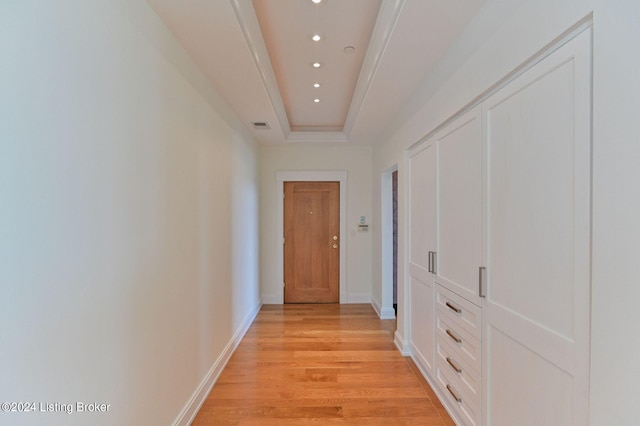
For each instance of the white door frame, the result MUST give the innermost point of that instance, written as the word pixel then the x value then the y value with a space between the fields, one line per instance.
pixel 386 223
pixel 311 176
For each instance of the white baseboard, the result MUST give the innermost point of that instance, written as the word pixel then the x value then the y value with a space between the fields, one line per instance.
pixel 401 344
pixel 192 407
pixel 383 313
pixel 436 389
pixel 376 306
pixel 387 313
pixel 276 299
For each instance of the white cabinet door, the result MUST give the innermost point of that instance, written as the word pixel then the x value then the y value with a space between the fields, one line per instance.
pixel 460 206
pixel 537 310
pixel 422 237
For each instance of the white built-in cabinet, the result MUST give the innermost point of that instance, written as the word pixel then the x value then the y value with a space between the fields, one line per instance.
pixel 445 209
pixel 499 249
pixel 422 187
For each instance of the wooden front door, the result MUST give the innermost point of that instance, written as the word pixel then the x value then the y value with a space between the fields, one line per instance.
pixel 312 242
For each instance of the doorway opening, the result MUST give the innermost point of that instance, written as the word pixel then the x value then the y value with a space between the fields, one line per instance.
pixel 394 201
pixel 389 243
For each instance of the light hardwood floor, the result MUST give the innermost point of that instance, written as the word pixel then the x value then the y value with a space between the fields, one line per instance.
pixel 320 365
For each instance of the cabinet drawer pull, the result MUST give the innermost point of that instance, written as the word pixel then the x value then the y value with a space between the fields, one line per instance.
pixel 453 365
pixel 454 336
pixel 453 308
pixel 453 393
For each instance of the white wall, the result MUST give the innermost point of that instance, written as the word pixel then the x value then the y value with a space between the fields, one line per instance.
pixel 128 215
pixel 356 161
pixel 504 35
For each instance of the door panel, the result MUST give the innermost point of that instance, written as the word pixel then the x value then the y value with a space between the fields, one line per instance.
pixel 422 235
pixel 460 206
pixel 532 215
pixel 546 385
pixel 312 241
pixel 536 314
pixel 422 332
pixel 422 181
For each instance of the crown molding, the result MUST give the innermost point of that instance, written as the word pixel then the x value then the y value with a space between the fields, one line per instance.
pixel 382 31
pixel 316 136
pixel 248 21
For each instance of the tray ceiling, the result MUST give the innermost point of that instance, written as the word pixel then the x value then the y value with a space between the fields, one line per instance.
pixel 259 55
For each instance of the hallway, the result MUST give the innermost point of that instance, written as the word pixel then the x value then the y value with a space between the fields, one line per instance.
pixel 141 211
pixel 321 365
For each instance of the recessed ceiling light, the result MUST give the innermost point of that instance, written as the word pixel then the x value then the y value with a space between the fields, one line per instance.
pixel 316 64
pixel 316 100
pixel 317 1
pixel 316 85
pixel 316 37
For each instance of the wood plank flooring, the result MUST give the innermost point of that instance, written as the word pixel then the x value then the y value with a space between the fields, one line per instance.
pixel 320 365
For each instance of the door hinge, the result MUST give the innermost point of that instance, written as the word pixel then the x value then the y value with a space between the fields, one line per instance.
pixel 284 285
pixel 482 278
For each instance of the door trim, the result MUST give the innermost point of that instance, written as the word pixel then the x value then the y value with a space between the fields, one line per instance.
pixel 385 309
pixel 311 176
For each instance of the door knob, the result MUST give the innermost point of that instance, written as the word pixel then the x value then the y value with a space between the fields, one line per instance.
pixel 335 246
pixel 335 238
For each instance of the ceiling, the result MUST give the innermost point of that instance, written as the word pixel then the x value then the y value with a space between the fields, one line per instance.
pixel 259 54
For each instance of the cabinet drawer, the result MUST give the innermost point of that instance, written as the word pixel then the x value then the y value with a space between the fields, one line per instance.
pixel 466 346
pixel 463 412
pixel 458 395
pixel 466 379
pixel 461 312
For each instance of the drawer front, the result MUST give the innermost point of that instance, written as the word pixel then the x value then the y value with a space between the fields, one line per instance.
pixel 458 396
pixel 467 379
pixel 461 312
pixel 463 413
pixel 465 345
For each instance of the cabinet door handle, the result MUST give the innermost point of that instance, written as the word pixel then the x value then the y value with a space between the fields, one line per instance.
pixel 453 308
pixel 430 261
pixel 433 262
pixel 453 365
pixel 482 279
pixel 453 393
pixel 454 336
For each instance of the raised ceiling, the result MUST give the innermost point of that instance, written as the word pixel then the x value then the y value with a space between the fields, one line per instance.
pixel 288 29
pixel 259 55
